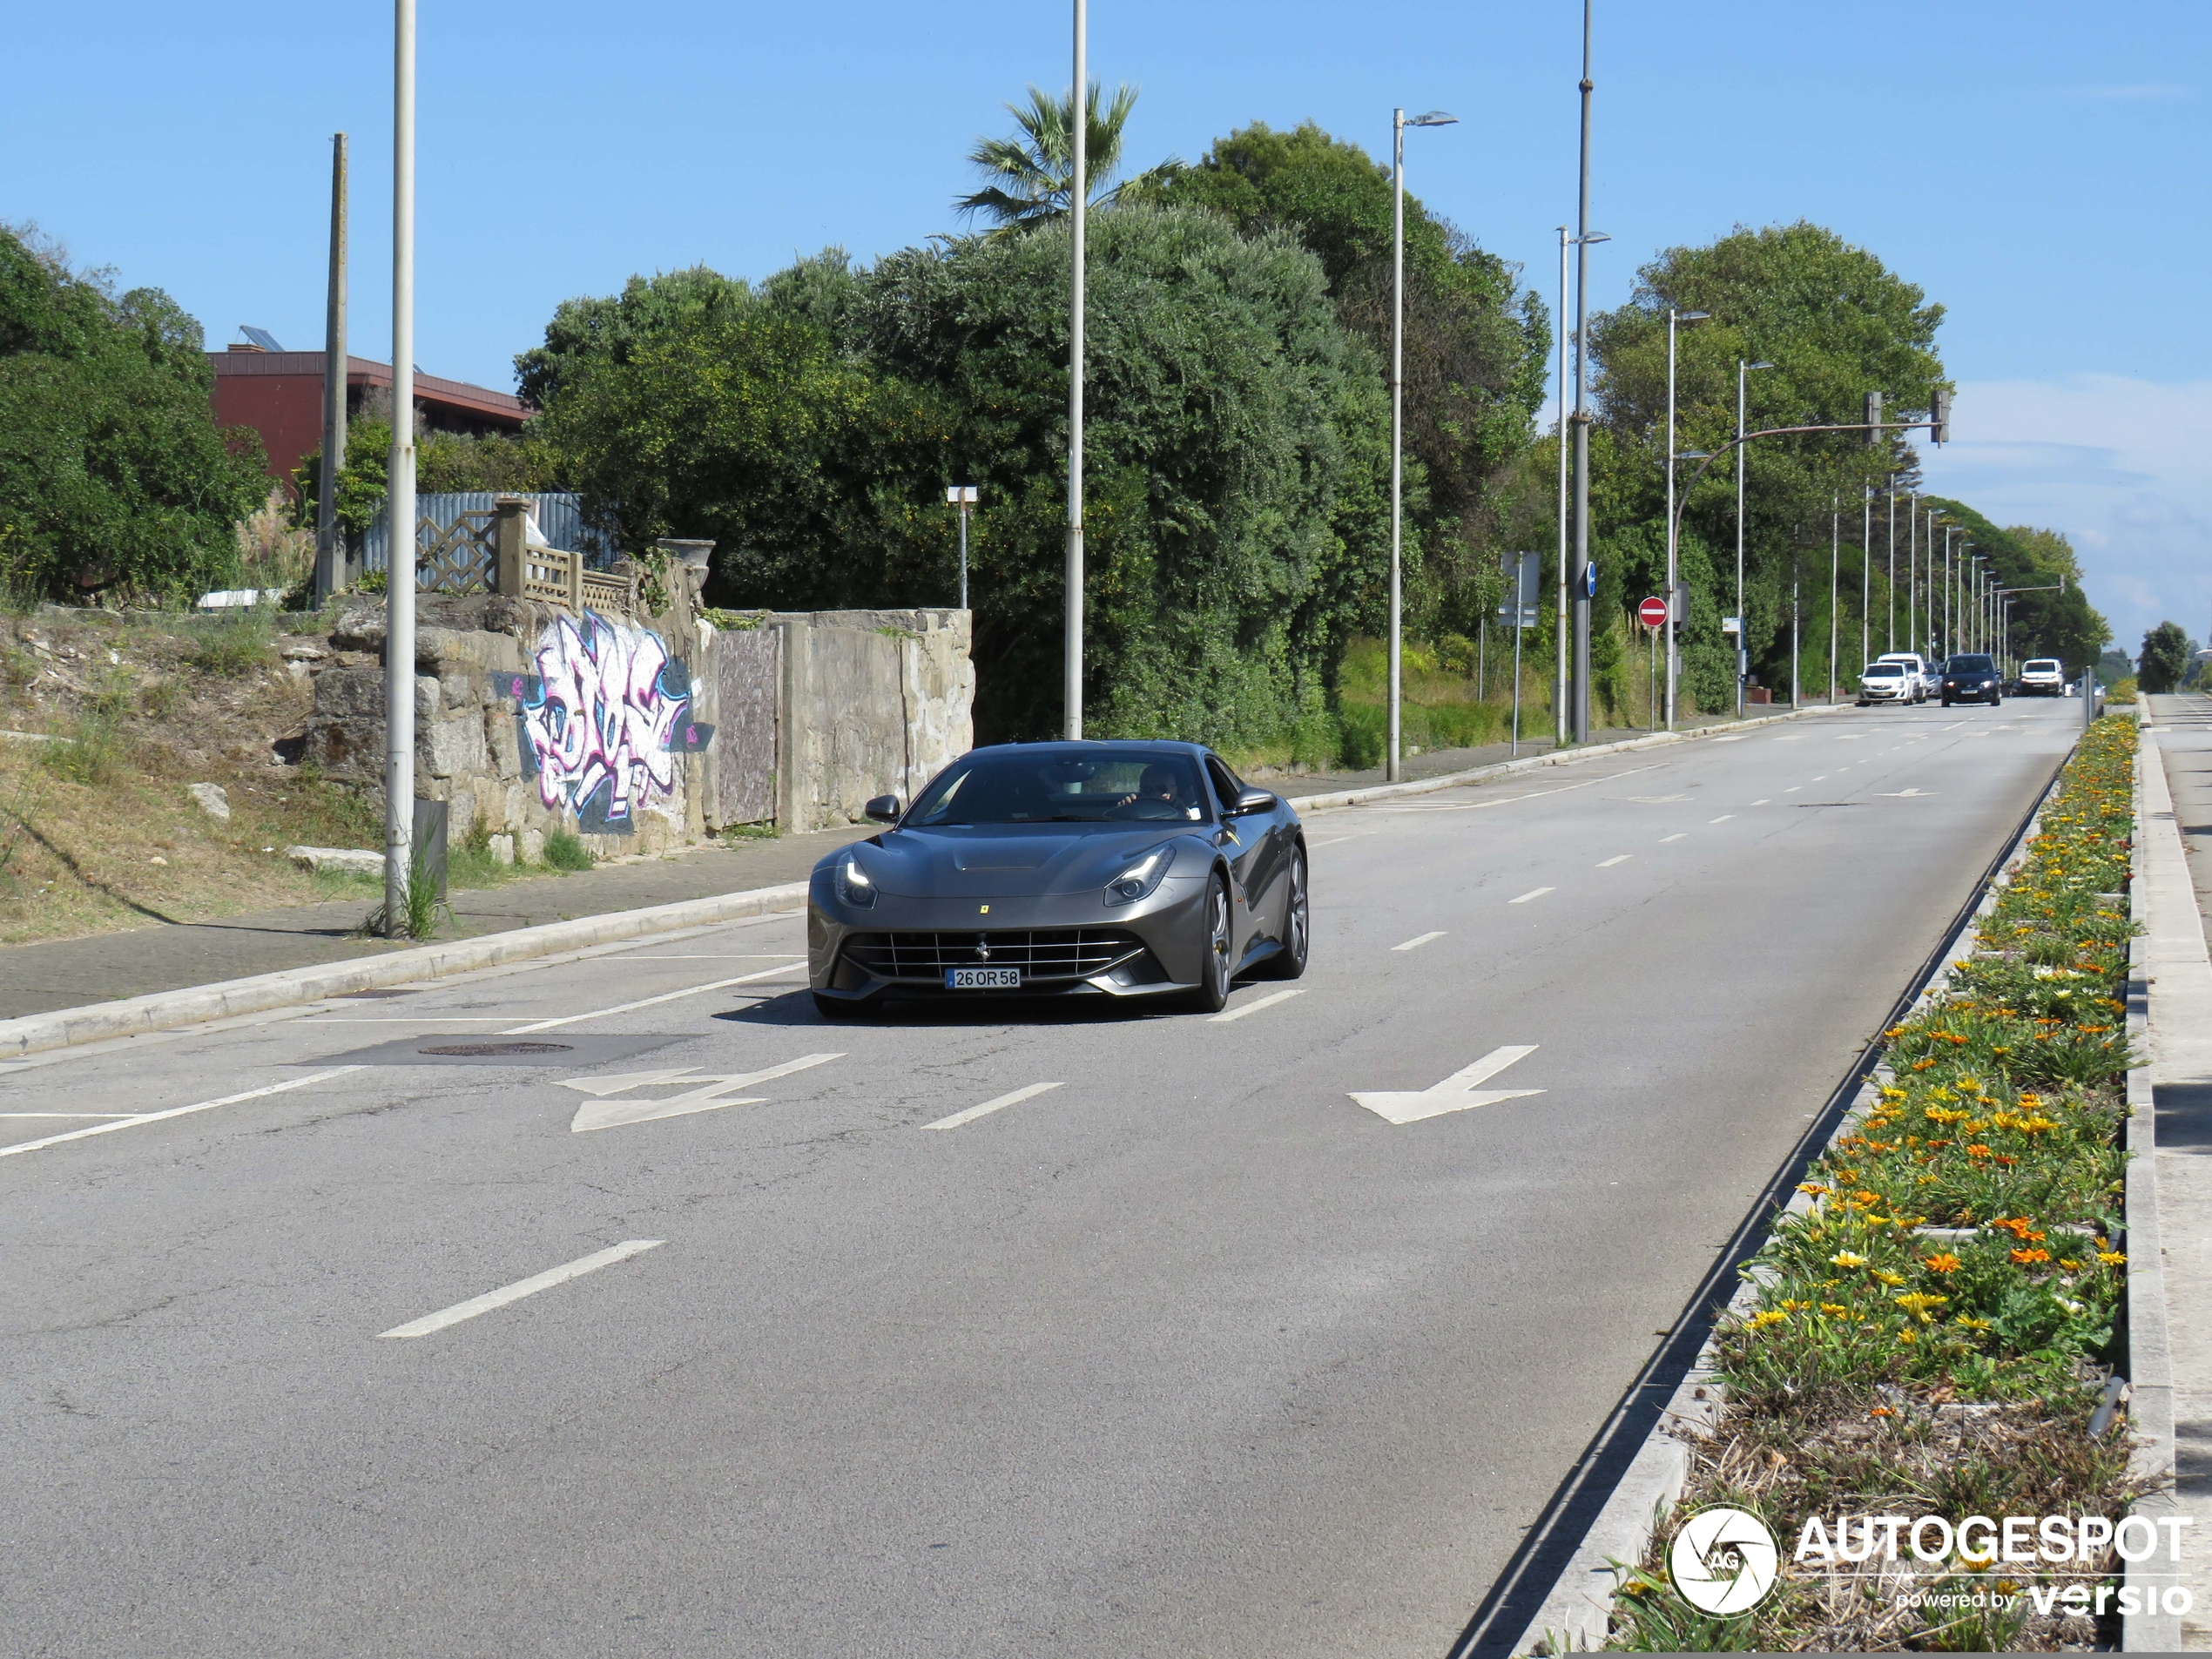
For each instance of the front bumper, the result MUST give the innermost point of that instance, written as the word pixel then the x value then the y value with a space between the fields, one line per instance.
pixel 1064 945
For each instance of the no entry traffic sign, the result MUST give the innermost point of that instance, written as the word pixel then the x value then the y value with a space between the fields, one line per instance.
pixel 1652 613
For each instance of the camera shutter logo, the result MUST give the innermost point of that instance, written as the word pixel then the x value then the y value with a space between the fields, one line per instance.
pixel 1723 1560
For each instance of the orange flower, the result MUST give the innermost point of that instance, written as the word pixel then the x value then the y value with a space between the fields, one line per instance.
pixel 2029 1258
pixel 1941 1262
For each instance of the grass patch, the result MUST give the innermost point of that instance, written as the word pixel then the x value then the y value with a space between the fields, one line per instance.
pixel 1884 1369
pixel 237 645
pixel 565 851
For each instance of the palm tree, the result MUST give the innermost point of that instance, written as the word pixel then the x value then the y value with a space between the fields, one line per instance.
pixel 1032 177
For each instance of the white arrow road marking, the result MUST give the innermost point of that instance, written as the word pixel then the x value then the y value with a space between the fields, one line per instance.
pixel 1903 794
pixel 1418 940
pixel 522 1287
pixel 990 1106
pixel 1254 1008
pixel 702 1093
pixel 1457 1093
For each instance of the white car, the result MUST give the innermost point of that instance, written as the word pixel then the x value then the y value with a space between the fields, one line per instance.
pixel 1916 666
pixel 2042 676
pixel 1888 682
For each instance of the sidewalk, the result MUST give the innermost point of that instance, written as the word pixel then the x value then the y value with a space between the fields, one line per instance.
pixel 2178 753
pixel 72 973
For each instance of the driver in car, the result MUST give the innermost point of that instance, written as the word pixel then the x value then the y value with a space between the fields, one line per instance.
pixel 1158 784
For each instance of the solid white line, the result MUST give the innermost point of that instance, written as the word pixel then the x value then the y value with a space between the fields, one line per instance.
pixel 1533 794
pixel 1723 818
pixel 1334 840
pixel 721 957
pixel 988 1106
pixel 645 1001
pixel 14 1115
pixel 1676 836
pixel 1618 858
pixel 1533 892
pixel 176 1111
pixel 1254 1008
pixel 394 1019
pixel 522 1287
pixel 1418 940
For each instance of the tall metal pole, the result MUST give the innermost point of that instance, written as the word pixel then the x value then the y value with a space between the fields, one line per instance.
pixel 330 558
pixel 1866 604
pixel 1397 416
pixel 1835 570
pixel 399 585
pixel 1742 449
pixel 963 550
pixel 1912 570
pixel 1559 627
pixel 1866 540
pixel 1950 587
pixel 1079 121
pixel 1891 493
pixel 1582 412
pixel 1671 528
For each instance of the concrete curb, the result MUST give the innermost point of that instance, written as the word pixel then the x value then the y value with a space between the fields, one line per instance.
pixel 134 1016
pixel 1557 758
pixel 2161 959
pixel 1575 1615
pixel 224 998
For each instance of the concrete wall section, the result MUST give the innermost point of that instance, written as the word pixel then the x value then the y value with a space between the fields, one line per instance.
pixel 876 703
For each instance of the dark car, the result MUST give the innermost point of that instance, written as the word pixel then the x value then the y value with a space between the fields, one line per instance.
pixel 1971 678
pixel 1115 869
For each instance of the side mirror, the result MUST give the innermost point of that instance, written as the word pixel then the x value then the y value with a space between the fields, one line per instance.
pixel 884 809
pixel 1253 800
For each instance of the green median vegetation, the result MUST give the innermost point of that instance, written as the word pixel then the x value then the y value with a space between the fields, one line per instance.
pixel 1931 1335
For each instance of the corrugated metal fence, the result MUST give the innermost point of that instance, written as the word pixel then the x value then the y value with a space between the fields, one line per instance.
pixel 558 516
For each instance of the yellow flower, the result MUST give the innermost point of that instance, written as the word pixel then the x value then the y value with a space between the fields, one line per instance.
pixel 2111 1257
pixel 1918 1302
pixel 1971 1323
pixel 1906 1338
pixel 1770 1317
pixel 1888 1277
pixel 1845 1258
pixel 1796 1307
pixel 1835 1310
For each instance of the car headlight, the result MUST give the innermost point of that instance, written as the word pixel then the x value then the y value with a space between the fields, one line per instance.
pixel 1141 878
pixel 853 886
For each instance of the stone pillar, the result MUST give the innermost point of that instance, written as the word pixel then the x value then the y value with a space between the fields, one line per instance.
pixel 510 542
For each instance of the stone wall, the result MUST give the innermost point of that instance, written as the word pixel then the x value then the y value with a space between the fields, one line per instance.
pixel 530 719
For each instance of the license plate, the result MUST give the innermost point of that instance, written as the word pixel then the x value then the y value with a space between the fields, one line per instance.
pixel 982 979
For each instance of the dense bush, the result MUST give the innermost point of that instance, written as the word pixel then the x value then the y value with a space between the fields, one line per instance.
pixel 113 474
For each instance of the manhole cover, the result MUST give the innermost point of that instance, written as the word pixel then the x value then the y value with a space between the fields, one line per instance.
pixel 480 1050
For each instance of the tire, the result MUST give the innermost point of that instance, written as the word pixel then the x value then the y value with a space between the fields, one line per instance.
pixel 1215 969
pixel 1297 926
pixel 836 1007
pixel 1946 702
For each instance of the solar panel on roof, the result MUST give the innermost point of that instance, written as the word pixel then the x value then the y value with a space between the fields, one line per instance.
pixel 261 337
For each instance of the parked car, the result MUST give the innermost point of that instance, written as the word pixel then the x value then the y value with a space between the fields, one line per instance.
pixel 1887 681
pixel 1916 667
pixel 1132 869
pixel 1971 678
pixel 2041 677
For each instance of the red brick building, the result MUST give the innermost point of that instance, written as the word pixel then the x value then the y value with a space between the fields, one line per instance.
pixel 278 393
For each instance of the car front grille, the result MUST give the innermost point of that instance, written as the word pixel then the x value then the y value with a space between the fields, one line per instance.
pixel 1040 952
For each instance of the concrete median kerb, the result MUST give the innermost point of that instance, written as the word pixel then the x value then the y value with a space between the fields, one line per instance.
pixel 228 998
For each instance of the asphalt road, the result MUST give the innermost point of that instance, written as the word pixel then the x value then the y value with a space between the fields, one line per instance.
pixel 1188 1354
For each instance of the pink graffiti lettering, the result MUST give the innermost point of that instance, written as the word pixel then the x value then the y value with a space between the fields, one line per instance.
pixel 605 719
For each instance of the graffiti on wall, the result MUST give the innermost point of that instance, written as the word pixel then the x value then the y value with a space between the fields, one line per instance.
pixel 603 720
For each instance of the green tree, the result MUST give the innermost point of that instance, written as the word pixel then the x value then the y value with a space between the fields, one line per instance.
pixel 1834 324
pixel 113 474
pixel 1032 177
pixel 2061 624
pixel 1475 341
pixel 2164 659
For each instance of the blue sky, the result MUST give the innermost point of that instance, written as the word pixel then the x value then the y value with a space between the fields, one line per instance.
pixel 2037 168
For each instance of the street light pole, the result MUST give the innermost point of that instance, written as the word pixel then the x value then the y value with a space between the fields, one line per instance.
pixel 1912 565
pixel 1866 540
pixel 1559 629
pixel 1399 123
pixel 1742 450
pixel 1674 317
pixel 1072 650
pixel 398 579
pixel 1835 567
pixel 1891 493
pixel 1582 239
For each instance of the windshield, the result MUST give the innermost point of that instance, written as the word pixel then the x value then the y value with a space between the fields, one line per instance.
pixel 1884 671
pixel 2041 666
pixel 1037 787
pixel 1975 665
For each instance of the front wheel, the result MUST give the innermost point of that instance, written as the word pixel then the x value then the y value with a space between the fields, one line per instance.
pixel 1297 926
pixel 1212 995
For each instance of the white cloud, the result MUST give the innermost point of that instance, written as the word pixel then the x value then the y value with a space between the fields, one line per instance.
pixel 2117 464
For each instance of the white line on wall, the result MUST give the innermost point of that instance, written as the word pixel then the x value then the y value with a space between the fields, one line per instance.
pixel 1254 1008
pixel 1418 940
pixel 136 1118
pixel 989 1106
pixel 522 1287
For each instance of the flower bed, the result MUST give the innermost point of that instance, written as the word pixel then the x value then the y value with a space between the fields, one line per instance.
pixel 1929 1335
